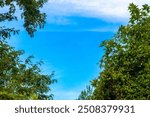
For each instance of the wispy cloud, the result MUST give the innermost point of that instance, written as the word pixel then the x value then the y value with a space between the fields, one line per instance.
pixel 104 9
pixel 57 10
pixel 61 13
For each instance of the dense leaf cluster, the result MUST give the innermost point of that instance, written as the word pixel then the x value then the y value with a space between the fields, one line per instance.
pixel 126 62
pixel 30 13
pixel 22 79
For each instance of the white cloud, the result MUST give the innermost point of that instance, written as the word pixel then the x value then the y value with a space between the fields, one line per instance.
pixel 58 11
pixel 104 29
pixel 106 9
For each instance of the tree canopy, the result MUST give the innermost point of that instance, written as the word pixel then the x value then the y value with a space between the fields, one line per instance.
pixel 22 79
pixel 30 13
pixel 86 94
pixel 126 62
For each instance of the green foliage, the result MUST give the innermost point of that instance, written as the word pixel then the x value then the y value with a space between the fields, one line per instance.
pixel 126 62
pixel 30 14
pixel 86 94
pixel 21 79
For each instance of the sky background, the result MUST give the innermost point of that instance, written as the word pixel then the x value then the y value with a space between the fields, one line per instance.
pixel 69 42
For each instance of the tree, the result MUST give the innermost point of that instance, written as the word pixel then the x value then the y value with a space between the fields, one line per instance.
pixel 126 61
pixel 30 14
pixel 21 79
pixel 86 94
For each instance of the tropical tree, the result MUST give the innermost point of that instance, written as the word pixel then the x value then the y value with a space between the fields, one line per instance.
pixel 126 61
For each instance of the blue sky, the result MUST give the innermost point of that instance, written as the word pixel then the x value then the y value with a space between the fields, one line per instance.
pixel 69 43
